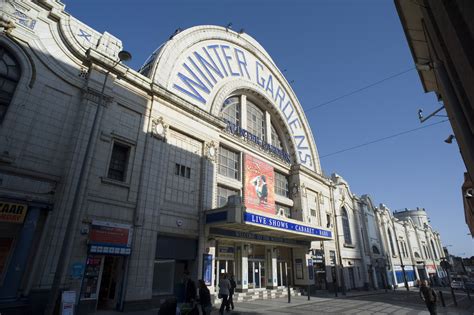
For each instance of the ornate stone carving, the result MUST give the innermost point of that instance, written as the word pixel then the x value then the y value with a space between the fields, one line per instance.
pixel 211 150
pixel 159 128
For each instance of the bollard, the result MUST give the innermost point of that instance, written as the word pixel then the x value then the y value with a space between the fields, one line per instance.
pixel 442 298
pixel 289 294
pixel 309 288
pixel 454 297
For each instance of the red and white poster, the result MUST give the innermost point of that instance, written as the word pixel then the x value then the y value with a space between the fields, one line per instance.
pixel 108 233
pixel 259 186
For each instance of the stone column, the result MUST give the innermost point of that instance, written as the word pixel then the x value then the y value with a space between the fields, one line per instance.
pixel 271 267
pixel 241 267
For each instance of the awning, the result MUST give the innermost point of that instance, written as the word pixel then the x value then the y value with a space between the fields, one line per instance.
pixel 242 223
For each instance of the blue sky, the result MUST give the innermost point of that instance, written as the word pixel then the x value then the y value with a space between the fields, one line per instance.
pixel 329 48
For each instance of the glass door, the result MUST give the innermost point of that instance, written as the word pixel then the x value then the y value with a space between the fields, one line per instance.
pixel 256 272
pixel 224 266
pixel 282 273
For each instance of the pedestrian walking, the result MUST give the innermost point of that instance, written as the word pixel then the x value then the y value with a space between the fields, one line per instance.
pixel 189 288
pixel 204 298
pixel 430 297
pixel 233 285
pixel 224 291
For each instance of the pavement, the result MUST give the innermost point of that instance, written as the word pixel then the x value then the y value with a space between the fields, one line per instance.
pixel 398 302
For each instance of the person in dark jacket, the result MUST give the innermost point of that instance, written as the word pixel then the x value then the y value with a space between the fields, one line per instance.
pixel 428 295
pixel 204 298
pixel 189 288
pixel 230 301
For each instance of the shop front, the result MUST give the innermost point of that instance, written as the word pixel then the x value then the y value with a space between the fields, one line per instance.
pixel 109 246
pixel 21 224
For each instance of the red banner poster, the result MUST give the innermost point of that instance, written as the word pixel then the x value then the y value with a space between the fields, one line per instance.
pixel 259 186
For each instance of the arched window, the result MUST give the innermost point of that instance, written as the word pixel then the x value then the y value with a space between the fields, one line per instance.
pixel 255 120
pixel 390 240
pixel 231 110
pixel 435 254
pixel 346 227
pixel 10 73
pixel 276 142
pixel 375 250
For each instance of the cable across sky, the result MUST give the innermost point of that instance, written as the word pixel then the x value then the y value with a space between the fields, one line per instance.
pixel 311 108
pixel 382 139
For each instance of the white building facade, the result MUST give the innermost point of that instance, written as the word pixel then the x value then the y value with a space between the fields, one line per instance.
pixel 115 183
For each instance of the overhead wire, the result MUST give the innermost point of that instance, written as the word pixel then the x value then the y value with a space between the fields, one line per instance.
pixel 311 108
pixel 382 139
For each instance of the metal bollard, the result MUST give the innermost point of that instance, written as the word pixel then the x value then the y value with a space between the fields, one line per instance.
pixel 454 297
pixel 442 298
pixel 309 289
pixel 289 294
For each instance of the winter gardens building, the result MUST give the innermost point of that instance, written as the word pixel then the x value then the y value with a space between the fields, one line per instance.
pixel 114 182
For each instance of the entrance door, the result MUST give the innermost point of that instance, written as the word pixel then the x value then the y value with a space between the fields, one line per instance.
pixel 109 284
pixel 224 266
pixel 256 272
pixel 352 277
pixel 282 273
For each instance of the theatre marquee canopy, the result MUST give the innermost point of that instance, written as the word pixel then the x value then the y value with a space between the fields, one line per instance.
pixel 205 64
pixel 236 221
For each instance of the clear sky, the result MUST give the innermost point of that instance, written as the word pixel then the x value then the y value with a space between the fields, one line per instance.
pixel 329 49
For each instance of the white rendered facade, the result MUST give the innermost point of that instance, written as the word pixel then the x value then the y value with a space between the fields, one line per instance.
pixel 126 176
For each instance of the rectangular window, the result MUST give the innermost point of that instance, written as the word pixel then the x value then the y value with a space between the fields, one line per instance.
pixel 313 212
pixel 118 162
pixel 182 170
pixel 281 185
pixel 229 163
pixel 163 274
pixel 223 194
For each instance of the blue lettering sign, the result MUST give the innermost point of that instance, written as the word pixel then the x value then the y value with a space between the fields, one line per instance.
pixel 285 225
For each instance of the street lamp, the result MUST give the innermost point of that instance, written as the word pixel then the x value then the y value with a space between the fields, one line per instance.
pixel 67 244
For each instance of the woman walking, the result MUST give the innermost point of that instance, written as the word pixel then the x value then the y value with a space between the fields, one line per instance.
pixel 224 291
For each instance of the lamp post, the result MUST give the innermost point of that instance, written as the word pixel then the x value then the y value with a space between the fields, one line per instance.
pixel 67 244
pixel 401 260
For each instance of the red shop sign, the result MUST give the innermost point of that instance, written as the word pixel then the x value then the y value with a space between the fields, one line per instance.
pixel 108 233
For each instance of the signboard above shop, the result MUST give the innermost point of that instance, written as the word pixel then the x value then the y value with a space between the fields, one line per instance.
pixel 12 212
pixel 110 238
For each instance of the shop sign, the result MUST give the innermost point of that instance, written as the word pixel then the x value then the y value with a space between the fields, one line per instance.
pixel 310 269
pixel 238 131
pixel 278 224
pixel 430 268
pixel 110 238
pixel 77 270
pixel 332 257
pixel 318 256
pixel 259 185
pixel 226 252
pixel 12 212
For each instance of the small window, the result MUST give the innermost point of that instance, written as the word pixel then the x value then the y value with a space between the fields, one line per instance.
pixel 118 162
pixel 328 220
pixel 346 227
pixel 182 170
pixel 281 185
pixel 313 212
pixel 375 250
pixel 229 163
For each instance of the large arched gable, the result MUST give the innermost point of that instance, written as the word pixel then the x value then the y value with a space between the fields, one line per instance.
pixel 201 62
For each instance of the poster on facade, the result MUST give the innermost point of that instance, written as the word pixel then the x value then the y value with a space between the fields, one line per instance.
pixel 259 193
pixel 207 268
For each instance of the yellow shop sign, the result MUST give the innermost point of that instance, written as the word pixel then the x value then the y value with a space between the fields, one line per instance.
pixel 12 212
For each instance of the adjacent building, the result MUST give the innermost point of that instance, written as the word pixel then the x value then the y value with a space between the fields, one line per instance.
pixel 115 183
pixel 440 35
